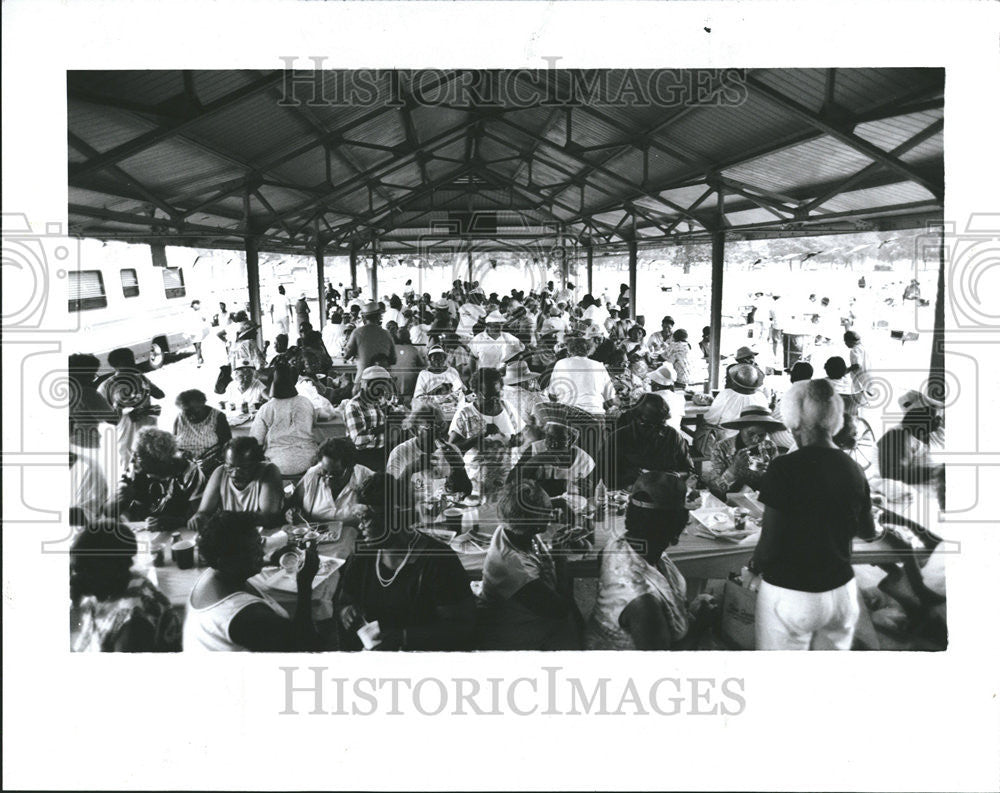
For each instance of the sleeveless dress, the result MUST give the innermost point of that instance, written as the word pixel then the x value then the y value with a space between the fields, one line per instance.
pixel 207 629
pixel 236 500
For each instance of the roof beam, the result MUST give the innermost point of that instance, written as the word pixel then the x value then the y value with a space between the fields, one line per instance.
pixel 847 137
pixel 167 131
pixel 144 191
pixel 928 132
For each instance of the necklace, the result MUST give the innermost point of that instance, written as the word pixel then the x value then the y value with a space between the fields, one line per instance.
pixel 378 567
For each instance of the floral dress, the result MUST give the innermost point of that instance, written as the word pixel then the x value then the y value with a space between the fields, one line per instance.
pixel 96 625
pixel 489 461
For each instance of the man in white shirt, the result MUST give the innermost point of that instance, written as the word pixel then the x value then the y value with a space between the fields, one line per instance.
pixel 493 346
pixel 597 313
pixel 581 382
pixel 469 313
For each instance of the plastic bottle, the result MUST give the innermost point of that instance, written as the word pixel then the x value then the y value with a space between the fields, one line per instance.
pixel 600 500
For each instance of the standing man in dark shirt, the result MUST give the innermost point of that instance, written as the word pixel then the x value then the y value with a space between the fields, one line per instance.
pixel 371 344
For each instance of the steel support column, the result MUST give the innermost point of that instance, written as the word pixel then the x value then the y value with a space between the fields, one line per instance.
pixel 718 266
pixel 321 284
pixel 633 265
pixel 936 386
pixel 354 269
pixel 253 284
pixel 373 275
pixel 590 268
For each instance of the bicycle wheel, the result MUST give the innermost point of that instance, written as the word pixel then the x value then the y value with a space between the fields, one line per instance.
pixel 865 447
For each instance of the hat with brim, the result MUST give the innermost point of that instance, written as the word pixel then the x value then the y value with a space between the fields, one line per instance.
pixel 518 372
pixel 754 417
pixel 661 490
pixel 745 378
pixel 437 349
pixel 441 305
pixel 745 352
pixel 370 309
pixel 664 375
pixel 375 373
pixel 243 363
pixel 495 318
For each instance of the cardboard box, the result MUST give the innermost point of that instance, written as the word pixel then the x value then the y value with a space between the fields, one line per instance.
pixel 739 611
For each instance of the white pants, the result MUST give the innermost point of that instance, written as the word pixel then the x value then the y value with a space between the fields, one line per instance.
pixel 788 619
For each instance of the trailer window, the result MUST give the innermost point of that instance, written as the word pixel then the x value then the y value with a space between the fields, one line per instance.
pixel 86 290
pixel 130 283
pixel 173 282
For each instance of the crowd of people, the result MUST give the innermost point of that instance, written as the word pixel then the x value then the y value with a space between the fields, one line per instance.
pixel 533 404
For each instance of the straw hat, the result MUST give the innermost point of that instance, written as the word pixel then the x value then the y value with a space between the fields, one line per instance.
pixel 745 378
pixel 755 416
pixel 441 305
pixel 745 352
pixel 518 372
pixel 495 318
pixel 369 309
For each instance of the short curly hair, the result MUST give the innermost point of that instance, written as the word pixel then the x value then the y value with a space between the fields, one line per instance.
pixel 155 443
pixel 338 449
pixel 523 502
pixel 220 537
pixel 423 409
pixel 190 397
pixel 483 377
pixel 246 444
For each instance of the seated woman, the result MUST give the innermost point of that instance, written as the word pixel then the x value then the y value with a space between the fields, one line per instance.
pixel 312 384
pixel 427 456
pixel 558 465
pixel 903 452
pixel 113 608
pixel 439 382
pixel 329 490
pixel 226 613
pixel 641 595
pixel 411 585
pixel 201 431
pixel 744 458
pixel 246 482
pixel 284 425
pixel 628 374
pixel 816 500
pixel 246 388
pixel 521 608
pixel 520 389
pixel 485 431
pixel 160 486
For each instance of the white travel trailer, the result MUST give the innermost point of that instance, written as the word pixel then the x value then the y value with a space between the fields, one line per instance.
pixel 123 299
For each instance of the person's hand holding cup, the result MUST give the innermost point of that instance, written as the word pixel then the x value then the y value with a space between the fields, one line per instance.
pixel 310 567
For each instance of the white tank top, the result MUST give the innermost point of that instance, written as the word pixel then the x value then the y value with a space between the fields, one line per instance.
pixel 207 629
pixel 236 500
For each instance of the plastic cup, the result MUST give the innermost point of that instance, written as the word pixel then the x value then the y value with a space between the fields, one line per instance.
pixel 183 553
pixel 291 562
pixel 453 519
pixel 370 635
